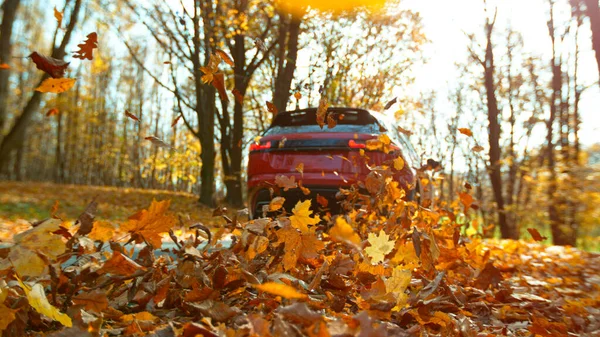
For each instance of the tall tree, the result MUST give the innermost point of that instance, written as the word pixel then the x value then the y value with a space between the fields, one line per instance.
pixel 9 13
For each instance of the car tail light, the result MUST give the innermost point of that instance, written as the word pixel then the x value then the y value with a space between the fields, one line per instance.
pixel 354 145
pixel 258 147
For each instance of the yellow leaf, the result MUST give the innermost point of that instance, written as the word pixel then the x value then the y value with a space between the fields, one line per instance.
pixel 301 218
pixel 276 204
pixel 7 316
pixel 465 131
pixel 399 280
pixel 406 255
pixel 292 240
pixel 300 168
pixel 37 299
pixel 280 289
pixel 140 316
pixel 342 231
pixel 149 224
pixel 299 7
pixel 381 245
pixel 102 231
pixel 29 245
pixel 399 163
pixel 56 85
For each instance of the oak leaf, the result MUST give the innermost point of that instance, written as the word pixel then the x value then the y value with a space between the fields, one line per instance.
pixel 38 301
pixel 149 224
pixel 280 289
pixel 86 48
pixel 56 85
pixel 302 216
pixel 381 245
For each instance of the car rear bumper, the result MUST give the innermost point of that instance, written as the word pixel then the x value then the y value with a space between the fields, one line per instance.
pixel 261 196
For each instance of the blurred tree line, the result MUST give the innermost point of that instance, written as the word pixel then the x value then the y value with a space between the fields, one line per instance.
pixel 149 63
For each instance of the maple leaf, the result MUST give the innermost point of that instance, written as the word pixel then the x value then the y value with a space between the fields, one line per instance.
pixel 466 131
pixel 102 231
pixel 38 301
pixel 301 218
pixel 406 255
pixel 58 16
pixel 86 48
pixel 280 289
pixel 381 245
pixel 286 182
pixel 33 248
pixel 149 224
pixel 132 116
pixel 54 67
pixel 298 245
pixel 56 85
pixel 342 231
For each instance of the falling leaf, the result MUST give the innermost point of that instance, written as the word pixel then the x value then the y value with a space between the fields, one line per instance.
pixel 276 204
pixel 158 142
pixel 219 84
pixel 119 264
pixel 58 16
pixel 271 108
pixel 300 168
pixel 86 49
pixel 342 231
pixel 95 301
pixel 390 103
pixel 132 116
pixel 102 231
pixel 176 120
pixel 381 245
pixel 211 68
pixel 465 131
pixel 297 95
pixel 399 163
pixel 331 122
pixel 466 199
pixel 477 148
pixel 536 235
pixel 238 95
pixel 38 301
pixel 225 57
pixel 280 289
pixel 149 224
pixel 286 182
pixel 399 280
pixel 167 62
pixel 54 209
pixel 304 190
pixel 404 131
pixel 4 66
pixel 321 200
pixel 54 67
pixel 322 111
pixel 86 219
pixel 52 112
pixel 33 248
pixel 56 85
pixel 302 216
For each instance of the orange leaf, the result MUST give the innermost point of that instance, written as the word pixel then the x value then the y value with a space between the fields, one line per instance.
pixel 120 264
pixel 175 121
pixel 466 199
pixel 224 56
pixel 286 182
pixel 465 131
pixel 52 112
pixel 4 66
pixel 95 301
pixel 280 289
pixel 58 16
pixel 536 235
pixel 271 108
pixel 219 83
pixel 132 116
pixel 297 95
pixel 149 224
pixel 86 49
pixel 321 200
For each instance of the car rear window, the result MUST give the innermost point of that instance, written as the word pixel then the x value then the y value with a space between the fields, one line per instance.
pixel 306 121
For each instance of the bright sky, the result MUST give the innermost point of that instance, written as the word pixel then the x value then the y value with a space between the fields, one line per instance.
pixel 446 22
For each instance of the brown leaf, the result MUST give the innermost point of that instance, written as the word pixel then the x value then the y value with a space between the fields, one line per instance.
pixel 86 48
pixel 490 275
pixel 285 182
pixel 322 201
pixel 194 329
pixel 58 16
pixel 272 108
pixel 120 264
pixel 86 219
pixel 132 116
pixel 477 148
pixel 225 56
pixel 176 120
pixel 158 142
pixel 54 209
pixel 536 235
pixel 95 301
pixel 404 131
pixel 219 83
pixel 151 223
pixel 390 103
pixel 238 95
pixel 51 66
pixel 322 111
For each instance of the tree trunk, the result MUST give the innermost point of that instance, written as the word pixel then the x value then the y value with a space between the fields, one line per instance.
pixel 285 73
pixel 592 9
pixel 9 9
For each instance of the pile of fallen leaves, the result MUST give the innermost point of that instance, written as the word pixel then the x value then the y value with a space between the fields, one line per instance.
pixel 387 268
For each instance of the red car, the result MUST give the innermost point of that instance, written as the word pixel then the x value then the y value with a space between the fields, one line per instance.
pixel 328 158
